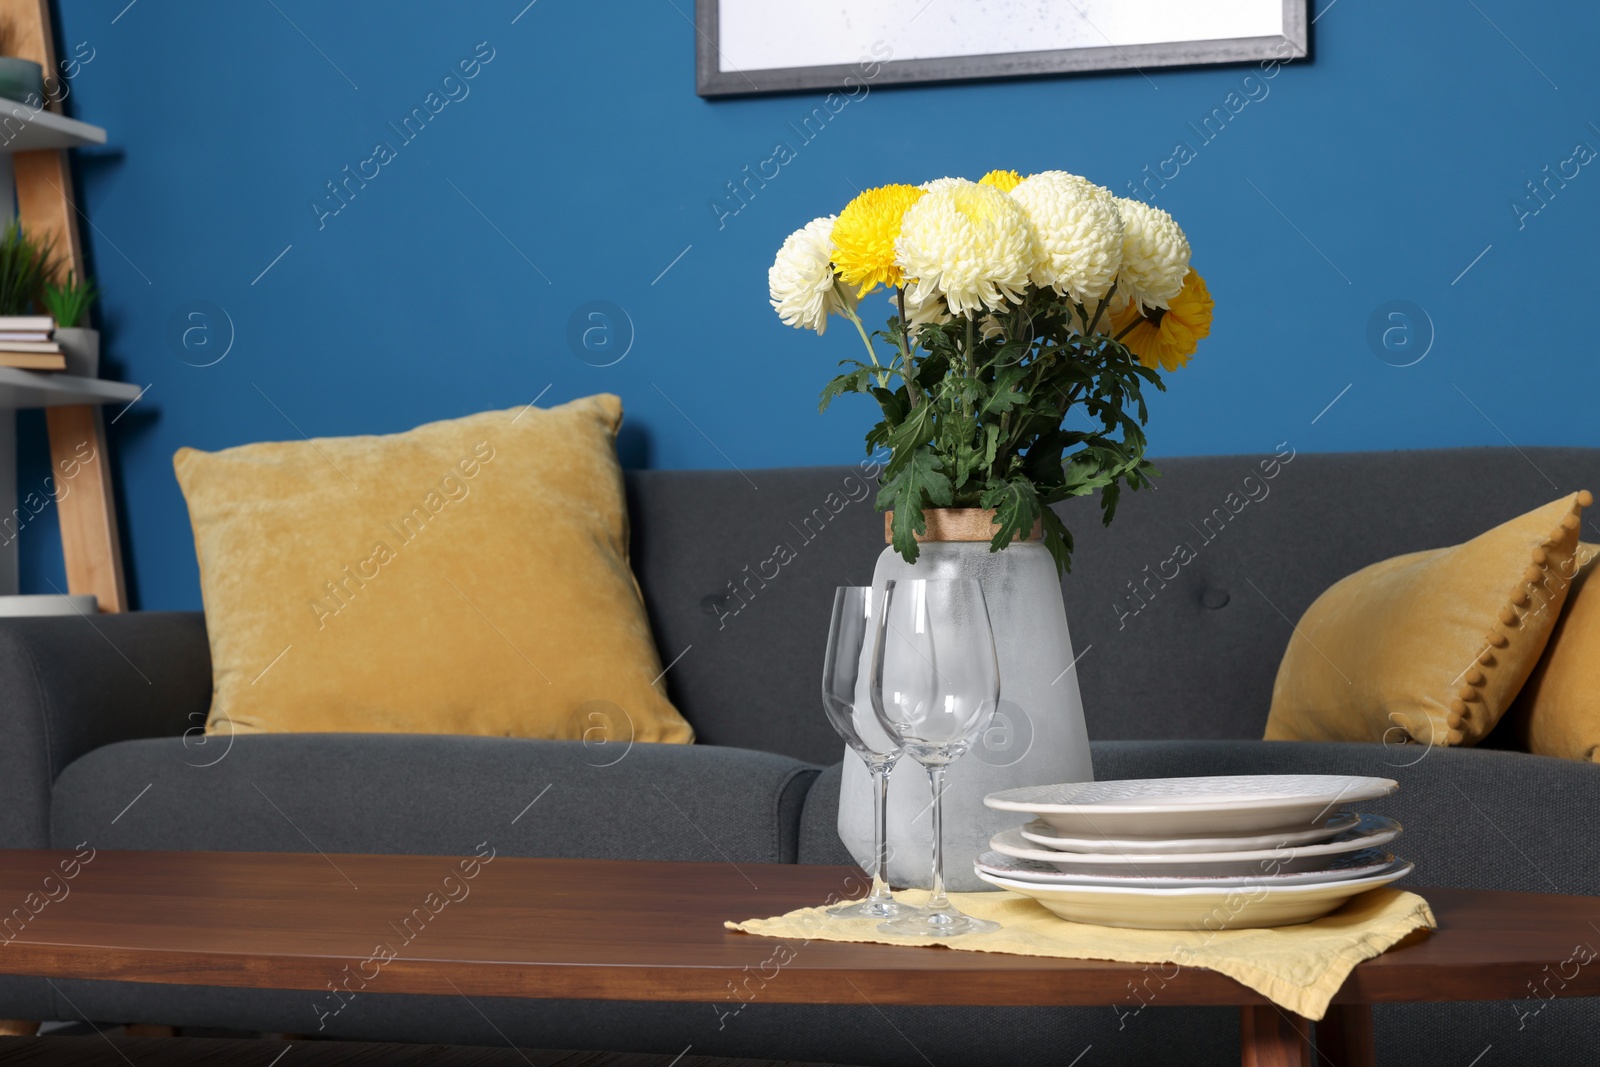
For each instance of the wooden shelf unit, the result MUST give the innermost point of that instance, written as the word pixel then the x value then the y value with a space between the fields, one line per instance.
pixel 36 140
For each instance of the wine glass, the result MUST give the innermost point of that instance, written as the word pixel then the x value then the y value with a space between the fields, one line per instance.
pixel 850 636
pixel 935 686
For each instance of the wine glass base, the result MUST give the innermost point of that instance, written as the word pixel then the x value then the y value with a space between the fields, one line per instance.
pixel 872 909
pixel 938 922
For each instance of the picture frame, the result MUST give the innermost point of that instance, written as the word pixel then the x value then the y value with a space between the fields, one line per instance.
pixel 750 47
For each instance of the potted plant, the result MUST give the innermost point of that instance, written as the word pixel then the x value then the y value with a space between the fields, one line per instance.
pixel 68 303
pixel 1028 319
pixel 26 266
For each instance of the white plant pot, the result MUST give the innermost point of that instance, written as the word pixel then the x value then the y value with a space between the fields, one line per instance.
pixel 1038 734
pixel 81 347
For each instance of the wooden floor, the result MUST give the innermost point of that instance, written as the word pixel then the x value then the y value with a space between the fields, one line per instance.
pixel 234 1052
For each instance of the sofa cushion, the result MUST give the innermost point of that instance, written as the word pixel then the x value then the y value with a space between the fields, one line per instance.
pixel 1558 712
pixel 434 795
pixel 1433 646
pixel 469 576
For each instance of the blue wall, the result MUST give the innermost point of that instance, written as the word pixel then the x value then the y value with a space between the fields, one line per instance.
pixel 581 165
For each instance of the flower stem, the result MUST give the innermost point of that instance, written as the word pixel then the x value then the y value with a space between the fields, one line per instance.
pixel 1101 310
pixel 907 367
pixel 849 312
pixel 1155 321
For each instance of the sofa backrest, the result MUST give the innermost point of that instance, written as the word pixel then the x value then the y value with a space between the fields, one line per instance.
pixel 738 571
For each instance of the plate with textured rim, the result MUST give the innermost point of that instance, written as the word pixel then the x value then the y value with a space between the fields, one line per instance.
pixel 1372 831
pixel 1223 908
pixel 1219 805
pixel 1346 865
pixel 1041 833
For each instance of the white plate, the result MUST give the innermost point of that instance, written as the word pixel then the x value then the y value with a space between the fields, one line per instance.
pixel 1040 833
pixel 1346 865
pixel 1373 830
pixel 1234 908
pixel 1224 805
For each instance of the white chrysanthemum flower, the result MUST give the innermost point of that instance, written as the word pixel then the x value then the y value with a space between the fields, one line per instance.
pixel 968 243
pixel 1079 233
pixel 1155 255
pixel 942 183
pixel 921 312
pixel 801 280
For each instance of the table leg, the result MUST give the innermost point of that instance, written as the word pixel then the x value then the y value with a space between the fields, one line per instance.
pixel 1272 1037
pixel 1344 1036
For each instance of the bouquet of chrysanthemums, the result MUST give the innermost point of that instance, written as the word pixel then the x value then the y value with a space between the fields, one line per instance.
pixel 1014 301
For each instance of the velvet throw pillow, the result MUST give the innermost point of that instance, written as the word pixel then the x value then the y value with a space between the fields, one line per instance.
pixel 1430 647
pixel 1558 713
pixel 465 577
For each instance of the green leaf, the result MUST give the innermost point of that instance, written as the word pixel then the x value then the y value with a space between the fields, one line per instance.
pixel 919 481
pixel 894 402
pixel 906 440
pixel 1017 507
pixel 1058 540
pixel 1043 462
pixel 1006 395
pixel 855 381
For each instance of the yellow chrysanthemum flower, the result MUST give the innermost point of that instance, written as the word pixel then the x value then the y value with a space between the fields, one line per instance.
pixel 864 235
pixel 1003 180
pixel 1168 338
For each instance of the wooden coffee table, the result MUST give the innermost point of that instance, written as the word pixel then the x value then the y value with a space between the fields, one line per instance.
pixel 617 930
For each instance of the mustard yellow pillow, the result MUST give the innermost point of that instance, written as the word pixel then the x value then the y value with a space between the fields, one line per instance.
pixel 1430 647
pixel 465 577
pixel 1558 713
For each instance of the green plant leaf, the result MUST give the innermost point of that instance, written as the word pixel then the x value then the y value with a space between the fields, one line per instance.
pixel 1005 394
pixel 68 303
pixel 1017 507
pixel 1058 540
pixel 894 402
pixel 906 440
pixel 25 267
pixel 919 482
pixel 856 381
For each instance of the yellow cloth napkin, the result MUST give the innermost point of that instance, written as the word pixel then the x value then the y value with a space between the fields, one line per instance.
pixel 1299 968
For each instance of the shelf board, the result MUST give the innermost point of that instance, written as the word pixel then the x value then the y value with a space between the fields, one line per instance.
pixel 22 129
pixel 46 389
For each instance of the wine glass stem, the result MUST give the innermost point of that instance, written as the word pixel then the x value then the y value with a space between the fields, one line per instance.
pixel 936 899
pixel 880 833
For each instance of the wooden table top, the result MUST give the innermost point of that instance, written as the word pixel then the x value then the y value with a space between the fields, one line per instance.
pixel 624 930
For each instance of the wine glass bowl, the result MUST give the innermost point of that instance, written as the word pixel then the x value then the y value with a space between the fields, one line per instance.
pixel 851 633
pixel 935 685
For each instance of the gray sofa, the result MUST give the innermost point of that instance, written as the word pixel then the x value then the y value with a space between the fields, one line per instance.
pixel 93 723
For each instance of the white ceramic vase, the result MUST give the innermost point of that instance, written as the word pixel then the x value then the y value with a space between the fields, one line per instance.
pixel 1037 736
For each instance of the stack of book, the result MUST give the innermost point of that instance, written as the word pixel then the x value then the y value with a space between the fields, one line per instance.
pixel 28 341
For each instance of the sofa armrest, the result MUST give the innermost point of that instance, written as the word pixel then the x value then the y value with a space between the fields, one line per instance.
pixel 71 684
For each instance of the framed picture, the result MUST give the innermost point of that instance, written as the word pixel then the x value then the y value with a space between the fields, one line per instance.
pixel 777 46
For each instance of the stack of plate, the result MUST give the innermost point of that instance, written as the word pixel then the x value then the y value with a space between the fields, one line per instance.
pixel 1194 853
